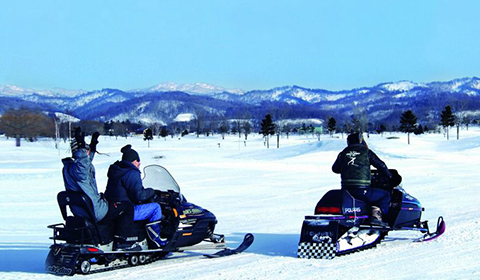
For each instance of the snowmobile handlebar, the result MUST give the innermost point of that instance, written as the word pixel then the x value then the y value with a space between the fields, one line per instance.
pixel 379 180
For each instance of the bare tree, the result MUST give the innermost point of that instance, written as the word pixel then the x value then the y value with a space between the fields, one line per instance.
pixel 26 123
pixel 247 128
pixel 460 107
pixel 199 122
pixel 119 129
pixel 280 115
pixel 223 127
pixel 91 127
pixel 360 120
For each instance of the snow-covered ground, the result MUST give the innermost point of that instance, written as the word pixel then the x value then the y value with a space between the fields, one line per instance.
pixel 263 191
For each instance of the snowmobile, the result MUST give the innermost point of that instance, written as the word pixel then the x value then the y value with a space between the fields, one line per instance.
pixel 81 245
pixel 341 224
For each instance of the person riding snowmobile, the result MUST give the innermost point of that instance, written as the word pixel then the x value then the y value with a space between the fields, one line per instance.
pixel 353 163
pixel 79 176
pixel 125 184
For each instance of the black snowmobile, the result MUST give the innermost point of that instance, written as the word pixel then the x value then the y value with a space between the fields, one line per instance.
pixel 341 224
pixel 82 245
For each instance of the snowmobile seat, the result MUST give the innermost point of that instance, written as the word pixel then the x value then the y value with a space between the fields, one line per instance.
pixel 353 206
pixel 81 227
pixel 340 202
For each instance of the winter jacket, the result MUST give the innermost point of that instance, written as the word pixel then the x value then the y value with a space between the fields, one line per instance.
pixel 125 184
pixel 353 163
pixel 79 176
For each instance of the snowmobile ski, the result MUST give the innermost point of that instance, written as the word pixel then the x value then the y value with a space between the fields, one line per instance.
pixel 437 233
pixel 247 241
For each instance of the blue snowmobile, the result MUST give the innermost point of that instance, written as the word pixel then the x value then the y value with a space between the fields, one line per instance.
pixel 341 224
pixel 81 245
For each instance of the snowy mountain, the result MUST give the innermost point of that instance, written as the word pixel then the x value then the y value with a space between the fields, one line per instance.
pixel 15 91
pixel 164 102
pixel 194 89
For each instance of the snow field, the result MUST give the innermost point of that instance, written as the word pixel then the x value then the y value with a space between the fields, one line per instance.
pixel 263 191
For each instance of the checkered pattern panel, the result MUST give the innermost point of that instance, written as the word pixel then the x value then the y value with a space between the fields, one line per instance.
pixel 313 250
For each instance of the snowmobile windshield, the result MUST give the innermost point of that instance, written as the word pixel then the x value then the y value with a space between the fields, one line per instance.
pixel 158 178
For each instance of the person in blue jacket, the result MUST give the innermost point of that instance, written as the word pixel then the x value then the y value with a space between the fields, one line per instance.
pixel 353 165
pixel 79 176
pixel 125 184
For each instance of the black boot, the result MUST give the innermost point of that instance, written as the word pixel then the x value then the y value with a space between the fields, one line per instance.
pixel 376 218
pixel 153 232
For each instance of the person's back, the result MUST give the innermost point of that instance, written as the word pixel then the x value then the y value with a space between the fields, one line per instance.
pixel 353 165
pixel 124 183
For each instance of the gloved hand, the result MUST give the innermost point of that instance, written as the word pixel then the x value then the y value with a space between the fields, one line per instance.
pixel 78 141
pixel 94 142
pixel 73 145
pixel 395 180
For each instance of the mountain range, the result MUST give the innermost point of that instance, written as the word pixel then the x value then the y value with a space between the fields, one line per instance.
pixel 164 102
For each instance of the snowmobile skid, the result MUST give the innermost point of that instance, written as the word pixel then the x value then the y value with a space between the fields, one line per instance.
pixel 80 245
pixel 341 225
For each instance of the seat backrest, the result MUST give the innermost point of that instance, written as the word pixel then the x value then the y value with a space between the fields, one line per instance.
pixel 340 202
pixel 80 205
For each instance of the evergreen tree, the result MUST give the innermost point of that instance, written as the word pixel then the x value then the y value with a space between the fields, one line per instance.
pixel 331 125
pixel 164 133
pixel 267 128
pixel 419 130
pixel 381 129
pixel 447 119
pixel 408 123
pixel 147 135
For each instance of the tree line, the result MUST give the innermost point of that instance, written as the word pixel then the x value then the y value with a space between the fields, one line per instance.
pixel 30 124
pixel 408 123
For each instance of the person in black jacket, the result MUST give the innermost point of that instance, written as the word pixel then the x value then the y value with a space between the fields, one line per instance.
pixel 353 165
pixel 125 184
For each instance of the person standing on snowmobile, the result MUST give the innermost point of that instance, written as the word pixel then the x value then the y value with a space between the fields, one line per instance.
pixel 125 184
pixel 353 164
pixel 79 176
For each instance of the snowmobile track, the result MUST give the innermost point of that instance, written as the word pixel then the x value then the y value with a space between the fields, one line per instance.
pixel 370 246
pixel 121 265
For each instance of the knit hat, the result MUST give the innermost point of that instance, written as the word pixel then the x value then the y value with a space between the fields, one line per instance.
pixel 129 154
pixel 354 138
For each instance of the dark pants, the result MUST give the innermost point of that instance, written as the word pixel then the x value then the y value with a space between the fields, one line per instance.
pixel 119 219
pixel 373 196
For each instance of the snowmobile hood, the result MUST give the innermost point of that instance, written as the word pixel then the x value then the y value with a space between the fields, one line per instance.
pixel 119 168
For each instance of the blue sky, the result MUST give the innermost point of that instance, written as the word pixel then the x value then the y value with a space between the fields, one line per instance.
pixel 329 44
